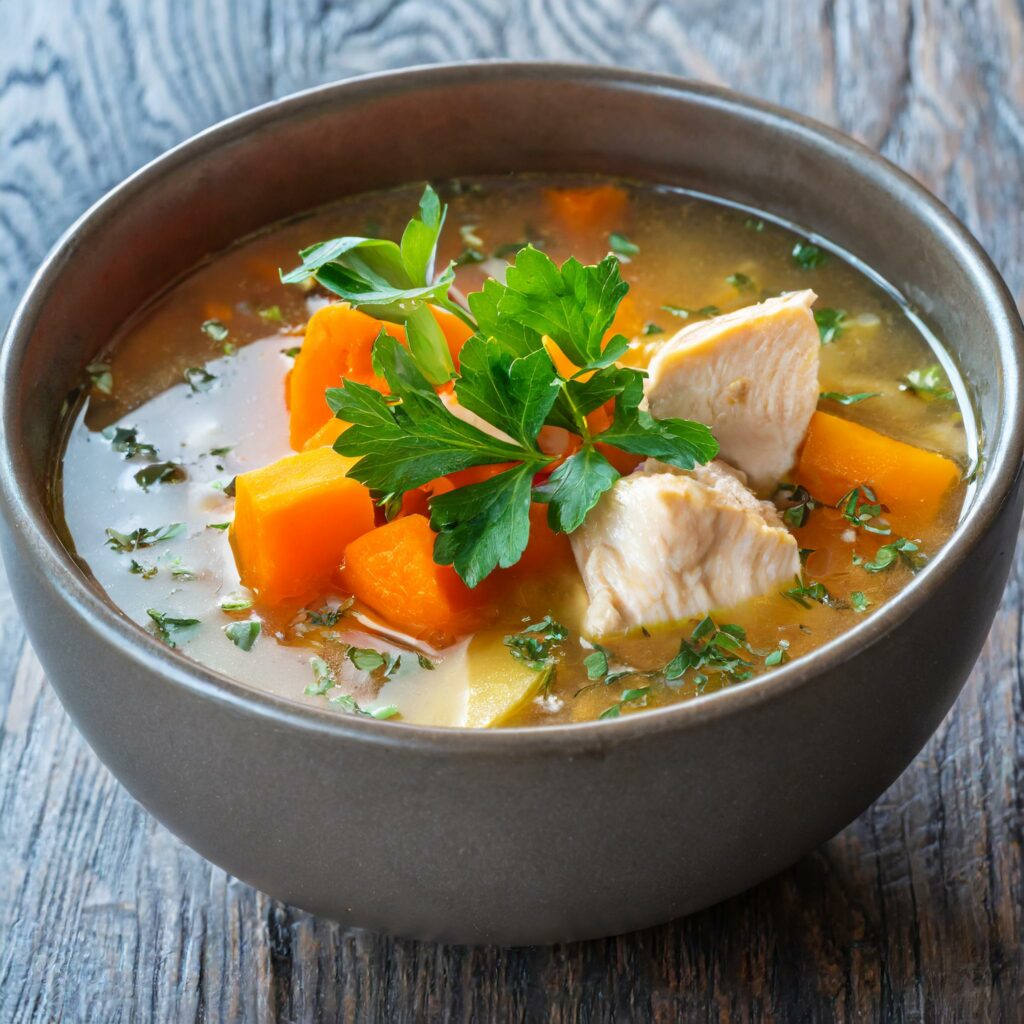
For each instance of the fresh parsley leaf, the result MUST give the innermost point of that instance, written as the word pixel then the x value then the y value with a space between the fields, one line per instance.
pixel 291 352
pixel 830 324
pixel 596 663
pixel 483 526
pixel 859 601
pixel 575 487
pixel 636 697
pixel 235 602
pixel 142 537
pixel 145 570
pixel 800 506
pixel 843 399
pixel 170 629
pixel 779 656
pixel 243 634
pixel 518 338
pixel 808 256
pixel 329 616
pixel 366 659
pixel 713 648
pixel 272 314
pixel 199 378
pixel 621 245
pixel 653 328
pixel 861 508
pixel 126 440
pixel 218 526
pixel 160 473
pixel 215 330
pixel 804 593
pixel 573 304
pixel 348 703
pixel 425 663
pixel 929 383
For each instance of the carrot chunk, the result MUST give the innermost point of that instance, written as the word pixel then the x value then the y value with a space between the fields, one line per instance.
pixel 592 209
pixel 336 347
pixel 293 521
pixel 392 571
pixel 839 455
pixel 326 435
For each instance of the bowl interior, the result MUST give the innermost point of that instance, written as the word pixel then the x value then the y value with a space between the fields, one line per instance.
pixel 294 155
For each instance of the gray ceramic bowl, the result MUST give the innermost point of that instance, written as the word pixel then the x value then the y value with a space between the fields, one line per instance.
pixel 520 835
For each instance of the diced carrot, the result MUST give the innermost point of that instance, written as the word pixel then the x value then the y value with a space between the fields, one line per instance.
pixel 588 210
pixel 546 548
pixel 624 462
pixel 392 571
pixel 477 474
pixel 417 502
pixel 839 455
pixel 326 435
pixel 337 347
pixel 293 522
pixel 627 319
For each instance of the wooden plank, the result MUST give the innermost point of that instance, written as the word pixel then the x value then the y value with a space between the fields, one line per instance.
pixel 914 912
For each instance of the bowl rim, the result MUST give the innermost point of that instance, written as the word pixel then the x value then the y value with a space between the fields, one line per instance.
pixel 32 529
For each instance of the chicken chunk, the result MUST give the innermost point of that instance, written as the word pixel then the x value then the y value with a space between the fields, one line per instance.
pixel 751 376
pixel 663 545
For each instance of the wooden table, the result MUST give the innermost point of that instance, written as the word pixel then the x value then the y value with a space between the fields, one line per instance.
pixel 914 912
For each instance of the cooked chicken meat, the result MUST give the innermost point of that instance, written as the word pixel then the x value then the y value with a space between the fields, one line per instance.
pixel 663 545
pixel 752 376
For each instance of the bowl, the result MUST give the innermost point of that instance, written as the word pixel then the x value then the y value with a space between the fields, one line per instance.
pixel 519 835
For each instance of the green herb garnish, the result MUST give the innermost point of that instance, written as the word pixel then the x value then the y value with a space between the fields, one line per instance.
pixel 861 508
pixel 366 659
pixel 348 703
pixel 425 663
pixel 686 313
pixel 830 324
pixel 801 504
pixel 741 282
pixel 160 473
pixel 243 634
pixel 808 256
pixel 142 537
pixel 170 629
pixel 596 663
pixel 621 245
pixel 712 648
pixel 292 352
pixel 199 378
pixel 859 601
pixel 652 328
pixel 754 224
pixel 804 593
pixel 144 569
pixel 218 526
pixel 323 677
pixel 272 314
pixel 126 440
pixel 537 643
pixel 843 399
pixel 779 656
pixel 215 330
pixel 636 697
pixel 929 383
pixel 236 602
pixel 900 550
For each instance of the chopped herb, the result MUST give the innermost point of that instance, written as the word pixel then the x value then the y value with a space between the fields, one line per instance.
pixel 348 703
pixel 366 659
pixel 830 324
pixel 468 257
pixel 537 643
pixel 801 505
pixel 236 602
pixel 218 526
pixel 621 245
pixel 170 629
pixel 652 328
pixel 182 572
pixel 142 537
pixel 126 440
pixel 323 677
pixel 146 571
pixel 101 376
pixel 741 282
pixel 160 473
pixel 692 314
pixel 215 330
pixel 842 399
pixel 218 453
pixel 859 601
pixel 929 383
pixel 754 224
pixel 900 550
pixel 808 256
pixel 272 314
pixel 712 648
pixel 329 616
pixel 779 656
pixel 804 593
pixel 503 251
pixel 636 697
pixel 862 509
pixel 425 662
pixel 805 553
pixel 243 634
pixel 596 663
pixel 292 352
pixel 199 378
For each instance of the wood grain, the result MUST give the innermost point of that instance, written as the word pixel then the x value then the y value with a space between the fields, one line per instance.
pixel 913 913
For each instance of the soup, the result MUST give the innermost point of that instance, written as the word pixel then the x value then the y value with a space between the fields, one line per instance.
pixel 553 491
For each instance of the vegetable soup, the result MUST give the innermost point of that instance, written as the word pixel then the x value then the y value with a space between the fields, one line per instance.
pixel 626 447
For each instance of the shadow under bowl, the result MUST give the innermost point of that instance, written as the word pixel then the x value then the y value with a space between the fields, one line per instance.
pixel 520 835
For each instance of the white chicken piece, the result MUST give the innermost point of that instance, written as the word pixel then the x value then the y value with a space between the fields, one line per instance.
pixel 751 376
pixel 663 545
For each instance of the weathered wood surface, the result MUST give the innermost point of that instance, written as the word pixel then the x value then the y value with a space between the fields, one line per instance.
pixel 914 912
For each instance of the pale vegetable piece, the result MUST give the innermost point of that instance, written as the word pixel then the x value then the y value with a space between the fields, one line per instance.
pixel 499 685
pixel 662 546
pixel 751 376
pixel 459 411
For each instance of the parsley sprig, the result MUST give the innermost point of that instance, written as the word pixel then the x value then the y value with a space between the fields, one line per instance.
pixel 506 376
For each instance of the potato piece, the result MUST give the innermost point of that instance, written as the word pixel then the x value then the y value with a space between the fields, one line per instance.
pixel 499 685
